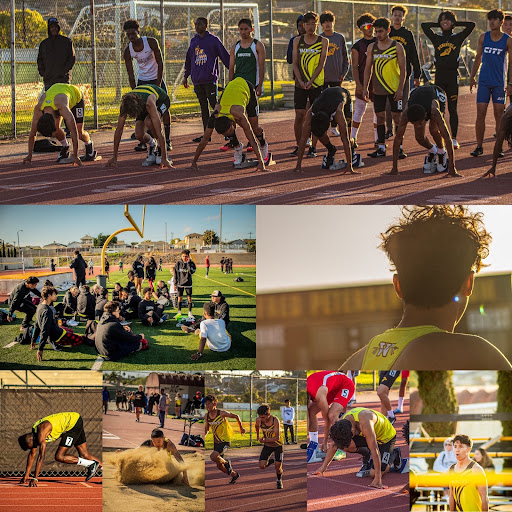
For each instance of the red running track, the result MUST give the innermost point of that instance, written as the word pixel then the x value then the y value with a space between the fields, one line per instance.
pixel 64 494
pixel 341 490
pixel 218 183
pixel 256 488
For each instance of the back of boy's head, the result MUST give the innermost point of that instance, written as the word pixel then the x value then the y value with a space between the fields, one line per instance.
pixel 209 308
pixel 434 249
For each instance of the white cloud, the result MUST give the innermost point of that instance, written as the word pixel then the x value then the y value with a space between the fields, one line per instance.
pixel 188 229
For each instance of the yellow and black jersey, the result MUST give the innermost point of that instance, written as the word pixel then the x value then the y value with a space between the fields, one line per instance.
pixel 61 422
pixel 464 487
pixel 386 72
pixel 309 57
pixel 267 431
pixel 220 428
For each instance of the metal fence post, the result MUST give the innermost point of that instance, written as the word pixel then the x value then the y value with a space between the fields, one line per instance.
pixel 417 28
pixel 297 408
pixel 223 39
pixel 93 65
pixel 162 34
pixel 271 32
pixel 250 412
pixel 13 69
pixel 118 53
pixel 352 27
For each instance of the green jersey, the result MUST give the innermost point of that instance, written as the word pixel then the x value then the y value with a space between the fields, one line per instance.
pixel 246 63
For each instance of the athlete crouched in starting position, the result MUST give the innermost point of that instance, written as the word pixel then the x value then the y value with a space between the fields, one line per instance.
pixel 334 103
pixel 69 427
pixel 160 442
pixel 427 104
pixel 237 105
pixel 147 104
pixel 58 102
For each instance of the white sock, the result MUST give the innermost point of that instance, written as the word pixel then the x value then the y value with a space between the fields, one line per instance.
pixel 152 143
pixel 433 149
pixel 64 143
pixel 391 414
pixel 400 402
pixel 85 462
pixel 353 132
pixel 313 436
pixel 382 146
pixel 441 151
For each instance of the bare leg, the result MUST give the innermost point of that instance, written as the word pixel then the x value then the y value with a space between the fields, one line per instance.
pixel 481 111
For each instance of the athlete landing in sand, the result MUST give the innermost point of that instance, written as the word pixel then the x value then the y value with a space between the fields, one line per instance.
pixel 69 427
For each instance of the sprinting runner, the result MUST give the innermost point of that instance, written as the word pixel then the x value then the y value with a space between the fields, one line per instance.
pixel 147 104
pixel 370 434
pixel 147 53
pixel 493 47
pixel 69 427
pixel 160 442
pixel 386 381
pixel 61 101
pixel 401 392
pixel 216 421
pixel 427 104
pixel 504 133
pixel 446 58
pixel 385 67
pixel 272 439
pixel 328 393
pixel 237 105
pixel 434 296
pixel 309 55
pixel 334 103
pixel 359 55
pixel 468 483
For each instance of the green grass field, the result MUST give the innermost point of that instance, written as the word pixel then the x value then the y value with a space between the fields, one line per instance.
pixel 170 348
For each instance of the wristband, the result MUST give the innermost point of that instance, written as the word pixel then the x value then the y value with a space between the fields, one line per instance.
pixel 34 478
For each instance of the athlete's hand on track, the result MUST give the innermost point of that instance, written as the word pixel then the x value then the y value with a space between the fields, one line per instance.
pixel 32 483
pixel 23 481
pixel 318 472
pixel 472 83
pixel 27 160
pixel 112 162
pixel 193 165
pixel 39 355
pixel 167 164
pixel 77 162
pixel 491 173
pixel 377 485
pixel 452 173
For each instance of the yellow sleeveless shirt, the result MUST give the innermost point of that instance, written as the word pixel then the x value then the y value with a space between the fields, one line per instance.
pixel 71 91
pixel 464 486
pixel 61 422
pixel 237 92
pixel 221 429
pixel 384 431
pixel 268 431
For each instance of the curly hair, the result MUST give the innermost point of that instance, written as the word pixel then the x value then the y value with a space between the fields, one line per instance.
pixel 433 249
pixel 46 125
pixel 132 105
pixel 463 439
pixel 341 433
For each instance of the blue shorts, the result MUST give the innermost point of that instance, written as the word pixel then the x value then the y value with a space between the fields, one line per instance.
pixel 484 93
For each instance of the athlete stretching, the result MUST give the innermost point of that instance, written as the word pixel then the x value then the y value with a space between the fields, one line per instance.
pixel 69 427
pixel 216 420
pixel 272 440
pixel 446 57
pixel 468 484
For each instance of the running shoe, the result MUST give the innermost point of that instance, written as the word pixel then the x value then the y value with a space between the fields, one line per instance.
pixel 141 147
pixel 398 411
pixel 501 154
pixel 158 155
pixel 312 152
pixel 396 456
pixel 401 154
pixel 392 420
pixel 89 157
pixel 92 470
pixel 72 323
pixel 376 154
pixel 150 158
pixel 478 151
pixel 334 132
pixel 365 469
pixel 197 139
pixel 191 316
pixel 442 162
pixel 227 146
pixel 235 478
pixel 238 156
pixel 64 154
pixel 249 147
pixel 295 152
pixel 264 151
pixel 456 145
pixel 55 347
pixel 311 451
pixel 429 167
pixel 280 484
pixel 389 134
pixel 339 455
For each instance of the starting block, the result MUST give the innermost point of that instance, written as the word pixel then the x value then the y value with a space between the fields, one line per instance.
pixel 357 162
pixel 253 162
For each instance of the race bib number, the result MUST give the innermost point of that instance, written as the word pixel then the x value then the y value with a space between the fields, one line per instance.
pixel 163 109
pixel 79 112
pixel 385 457
pixel 441 96
pixel 399 104
pixel 344 393
pixel 68 441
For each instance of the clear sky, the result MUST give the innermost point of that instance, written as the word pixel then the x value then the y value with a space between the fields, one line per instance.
pixel 326 246
pixel 65 224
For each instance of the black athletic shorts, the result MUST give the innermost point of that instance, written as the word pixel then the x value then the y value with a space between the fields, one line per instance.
pixel 186 289
pixel 388 377
pixel 301 96
pixel 75 436
pixel 78 112
pixel 162 109
pixel 385 449
pixel 449 82
pixel 267 451
pixel 379 103
pixel 221 447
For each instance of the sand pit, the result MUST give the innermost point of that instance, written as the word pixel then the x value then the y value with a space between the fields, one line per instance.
pixel 148 479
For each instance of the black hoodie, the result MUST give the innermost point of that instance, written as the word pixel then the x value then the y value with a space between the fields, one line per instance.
pixel 110 334
pixel 55 59
pixel 19 295
pixel 79 265
pixel 86 305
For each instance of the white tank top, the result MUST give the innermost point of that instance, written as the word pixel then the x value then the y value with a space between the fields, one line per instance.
pixel 148 67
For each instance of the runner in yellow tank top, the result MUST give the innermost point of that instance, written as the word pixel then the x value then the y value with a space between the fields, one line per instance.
pixel 434 295
pixel 216 420
pixel 468 484
pixel 272 439
pixel 370 434
pixel 61 101
pixel 69 427
pixel 238 105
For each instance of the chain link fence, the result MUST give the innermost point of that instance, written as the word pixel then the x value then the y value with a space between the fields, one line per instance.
pixel 21 408
pixel 243 394
pixel 99 41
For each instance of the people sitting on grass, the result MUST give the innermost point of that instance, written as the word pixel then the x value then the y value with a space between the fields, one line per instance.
pixel 47 328
pixel 131 285
pixel 213 333
pixel 116 292
pixel 101 300
pixel 19 300
pixel 68 306
pixel 86 304
pixel 129 303
pixel 162 290
pixel 221 312
pixel 114 341
pixel 151 313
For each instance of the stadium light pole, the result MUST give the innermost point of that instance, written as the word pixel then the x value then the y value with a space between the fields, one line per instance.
pixel 18 235
pixel 271 42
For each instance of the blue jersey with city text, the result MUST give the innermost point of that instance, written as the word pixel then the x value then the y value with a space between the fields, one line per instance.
pixel 493 70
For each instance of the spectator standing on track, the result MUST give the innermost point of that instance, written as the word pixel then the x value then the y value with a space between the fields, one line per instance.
pixel 309 55
pixel 446 58
pixel 207 264
pixel 151 269
pixel 359 54
pixel 160 265
pixel 163 404
pixel 202 65
pixel 52 265
pixel 182 273
pixel 412 62
pixel 138 402
pixel 19 300
pixel 120 265
pixel 106 399
pixel 125 400
pixel 138 270
pixel 79 265
pixel 177 406
pixel 119 399
pixel 336 63
pixel 287 415
pixel 386 71
pixel 91 267
pixel 493 48
pixel 147 53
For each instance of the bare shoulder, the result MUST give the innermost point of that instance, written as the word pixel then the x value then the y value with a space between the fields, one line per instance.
pixel 468 352
pixel 355 361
